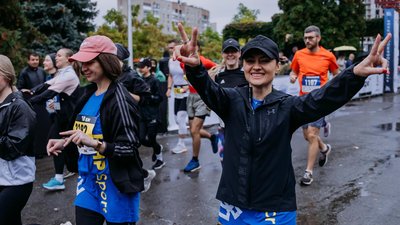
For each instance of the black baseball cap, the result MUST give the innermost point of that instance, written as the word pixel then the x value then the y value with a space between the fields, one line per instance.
pixel 144 62
pixel 264 44
pixel 122 52
pixel 230 43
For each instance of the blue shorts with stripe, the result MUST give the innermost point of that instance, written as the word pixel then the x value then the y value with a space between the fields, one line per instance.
pixel 232 215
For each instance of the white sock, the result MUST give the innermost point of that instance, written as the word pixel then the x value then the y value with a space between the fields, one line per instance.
pixel 59 178
pixel 181 142
pixel 159 157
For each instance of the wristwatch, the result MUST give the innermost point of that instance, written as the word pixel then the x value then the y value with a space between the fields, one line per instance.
pixel 98 146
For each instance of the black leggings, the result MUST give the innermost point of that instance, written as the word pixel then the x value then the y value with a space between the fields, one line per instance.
pixel 148 135
pixel 89 217
pixel 12 200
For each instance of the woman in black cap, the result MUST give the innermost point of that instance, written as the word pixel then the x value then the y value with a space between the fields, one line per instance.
pixel 257 185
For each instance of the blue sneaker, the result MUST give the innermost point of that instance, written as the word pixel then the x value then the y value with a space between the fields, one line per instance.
pixel 54 184
pixel 192 166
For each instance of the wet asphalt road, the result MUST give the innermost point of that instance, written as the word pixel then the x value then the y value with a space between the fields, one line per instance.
pixel 359 185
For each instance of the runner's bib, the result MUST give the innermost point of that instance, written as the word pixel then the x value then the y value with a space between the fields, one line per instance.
pixel 86 125
pixel 310 83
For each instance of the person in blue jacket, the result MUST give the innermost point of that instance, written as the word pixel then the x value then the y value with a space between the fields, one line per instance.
pixel 257 185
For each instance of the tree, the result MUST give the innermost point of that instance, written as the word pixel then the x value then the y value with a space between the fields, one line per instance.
pixel 63 24
pixel 247 30
pixel 341 21
pixel 148 40
pixel 15 33
pixel 115 27
pixel 212 44
pixel 245 14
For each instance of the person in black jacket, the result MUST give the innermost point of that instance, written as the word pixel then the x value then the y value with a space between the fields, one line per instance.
pixel 129 77
pixel 258 182
pixel 149 113
pixel 104 127
pixel 17 161
pixel 231 76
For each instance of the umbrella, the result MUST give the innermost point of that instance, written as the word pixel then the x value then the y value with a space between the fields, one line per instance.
pixel 344 48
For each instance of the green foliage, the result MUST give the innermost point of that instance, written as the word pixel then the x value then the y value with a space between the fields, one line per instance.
pixel 115 27
pixel 148 40
pixel 245 14
pixel 247 30
pixel 15 33
pixel 63 24
pixel 212 44
pixel 341 22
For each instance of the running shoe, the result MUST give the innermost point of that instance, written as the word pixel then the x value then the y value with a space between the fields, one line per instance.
pixel 214 143
pixel 192 166
pixel 148 179
pixel 54 185
pixel 68 174
pixel 158 165
pixel 323 157
pixel 179 148
pixel 307 178
pixel 327 129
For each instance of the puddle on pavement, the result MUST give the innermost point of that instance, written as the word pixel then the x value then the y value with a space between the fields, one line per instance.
pixel 390 126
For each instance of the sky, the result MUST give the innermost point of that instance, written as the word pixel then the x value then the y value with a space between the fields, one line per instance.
pixel 221 11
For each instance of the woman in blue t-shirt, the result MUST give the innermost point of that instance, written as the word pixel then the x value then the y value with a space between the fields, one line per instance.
pixel 104 131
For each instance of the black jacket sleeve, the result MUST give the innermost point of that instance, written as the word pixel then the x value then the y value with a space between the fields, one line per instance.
pixel 215 97
pixel 124 127
pixel 155 97
pixel 16 141
pixel 323 101
pixel 42 97
pixel 21 83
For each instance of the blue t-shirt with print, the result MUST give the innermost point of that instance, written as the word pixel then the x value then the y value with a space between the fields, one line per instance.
pixel 95 189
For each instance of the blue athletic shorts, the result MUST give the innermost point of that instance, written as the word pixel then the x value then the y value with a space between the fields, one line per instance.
pixel 232 215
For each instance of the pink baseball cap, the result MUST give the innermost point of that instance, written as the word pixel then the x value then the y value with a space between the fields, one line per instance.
pixel 92 46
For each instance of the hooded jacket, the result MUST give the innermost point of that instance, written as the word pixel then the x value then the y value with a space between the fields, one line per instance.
pixel 119 122
pixel 17 122
pixel 257 171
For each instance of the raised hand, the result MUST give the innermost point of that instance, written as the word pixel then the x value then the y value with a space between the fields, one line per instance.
pixel 369 65
pixel 187 53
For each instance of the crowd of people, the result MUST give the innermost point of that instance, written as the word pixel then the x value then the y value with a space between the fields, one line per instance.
pixel 96 129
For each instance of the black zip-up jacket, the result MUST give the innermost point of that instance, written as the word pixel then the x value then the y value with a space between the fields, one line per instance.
pixel 133 82
pixel 119 123
pixel 231 78
pixel 31 77
pixel 17 122
pixel 257 171
pixel 149 105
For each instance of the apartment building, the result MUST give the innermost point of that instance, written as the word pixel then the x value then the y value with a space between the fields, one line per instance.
pixel 171 12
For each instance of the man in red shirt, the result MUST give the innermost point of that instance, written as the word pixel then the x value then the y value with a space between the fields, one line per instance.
pixel 310 66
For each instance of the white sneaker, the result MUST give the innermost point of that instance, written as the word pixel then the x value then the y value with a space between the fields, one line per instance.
pixel 148 179
pixel 179 148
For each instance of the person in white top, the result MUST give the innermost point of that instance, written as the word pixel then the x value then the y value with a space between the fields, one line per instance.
pixel 179 85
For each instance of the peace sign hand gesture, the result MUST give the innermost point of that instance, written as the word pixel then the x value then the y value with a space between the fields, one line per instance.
pixel 369 65
pixel 187 53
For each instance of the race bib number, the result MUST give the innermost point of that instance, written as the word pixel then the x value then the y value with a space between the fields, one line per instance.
pixel 86 125
pixel 310 83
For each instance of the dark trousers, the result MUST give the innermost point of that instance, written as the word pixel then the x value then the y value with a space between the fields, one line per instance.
pixel 54 133
pixel 88 217
pixel 148 134
pixel 163 109
pixel 12 200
